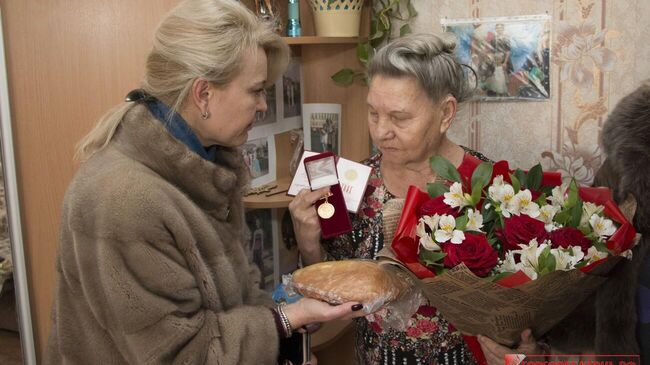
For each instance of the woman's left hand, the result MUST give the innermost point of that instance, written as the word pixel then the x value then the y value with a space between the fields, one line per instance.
pixel 495 353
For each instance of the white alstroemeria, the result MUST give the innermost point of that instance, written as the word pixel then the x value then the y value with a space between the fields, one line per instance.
pixel 509 264
pixel 475 222
pixel 420 229
pixel 503 195
pixel 567 259
pixel 530 253
pixel 558 195
pixel 530 271
pixel 431 221
pixel 428 243
pixel 602 226
pixel 455 197
pixel 589 209
pixel 594 255
pixel 547 213
pixel 522 202
pixel 447 231
pixel 425 238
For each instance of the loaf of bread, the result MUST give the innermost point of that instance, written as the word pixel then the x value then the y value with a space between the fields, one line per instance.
pixel 362 281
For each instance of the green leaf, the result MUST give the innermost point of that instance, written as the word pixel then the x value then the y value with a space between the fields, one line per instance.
pixel 516 185
pixel 461 222
pixel 363 50
pixel 436 189
pixel 440 270
pixel 534 177
pixel 521 176
pixel 444 168
pixel 432 257
pixel 477 191
pixel 576 214
pixel 601 246
pixel 482 175
pixel 344 77
pixel 404 30
pixel 573 196
pixel 541 201
pixel 563 217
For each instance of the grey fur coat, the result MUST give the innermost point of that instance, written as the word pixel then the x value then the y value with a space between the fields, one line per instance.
pixel 152 267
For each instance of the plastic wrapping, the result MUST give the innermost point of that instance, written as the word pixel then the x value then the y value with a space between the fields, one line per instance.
pixel 374 284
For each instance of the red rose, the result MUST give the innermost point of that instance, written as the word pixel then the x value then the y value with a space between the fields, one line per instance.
pixel 437 206
pixel 520 229
pixel 569 236
pixel 475 252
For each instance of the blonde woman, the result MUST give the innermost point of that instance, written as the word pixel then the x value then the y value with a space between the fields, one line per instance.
pixel 152 265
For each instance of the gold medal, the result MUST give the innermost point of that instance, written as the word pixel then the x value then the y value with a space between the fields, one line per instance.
pixel 326 210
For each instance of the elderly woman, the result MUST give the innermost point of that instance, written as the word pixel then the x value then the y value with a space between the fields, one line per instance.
pixel 416 86
pixel 152 265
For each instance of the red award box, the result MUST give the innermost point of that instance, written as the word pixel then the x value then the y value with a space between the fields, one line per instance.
pixel 332 212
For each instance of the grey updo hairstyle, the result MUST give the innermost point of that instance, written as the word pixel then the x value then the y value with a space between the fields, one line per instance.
pixel 198 38
pixel 430 59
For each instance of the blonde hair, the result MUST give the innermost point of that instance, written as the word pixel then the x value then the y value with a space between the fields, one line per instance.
pixel 428 58
pixel 198 38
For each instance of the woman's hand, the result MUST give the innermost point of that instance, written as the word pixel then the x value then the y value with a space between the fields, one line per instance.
pixel 495 353
pixel 306 225
pixel 308 310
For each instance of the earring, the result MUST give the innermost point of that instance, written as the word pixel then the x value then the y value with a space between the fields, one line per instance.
pixel 205 115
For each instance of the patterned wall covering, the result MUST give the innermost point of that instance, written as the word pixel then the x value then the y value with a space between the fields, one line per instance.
pixel 599 53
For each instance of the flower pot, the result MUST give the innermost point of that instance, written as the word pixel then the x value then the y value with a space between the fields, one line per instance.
pixel 340 19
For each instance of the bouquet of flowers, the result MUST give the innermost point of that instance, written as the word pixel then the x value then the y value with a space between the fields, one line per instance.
pixel 495 249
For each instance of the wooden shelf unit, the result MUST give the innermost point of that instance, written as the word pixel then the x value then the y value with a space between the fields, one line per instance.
pixel 322 57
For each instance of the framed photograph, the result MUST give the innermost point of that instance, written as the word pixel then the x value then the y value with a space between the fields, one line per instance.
pixel 322 127
pixel 510 56
pixel 259 156
pixel 292 91
pixel 263 245
pixel 284 103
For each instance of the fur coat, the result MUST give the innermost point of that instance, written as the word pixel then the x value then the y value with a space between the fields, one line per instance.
pixel 152 267
pixel 606 323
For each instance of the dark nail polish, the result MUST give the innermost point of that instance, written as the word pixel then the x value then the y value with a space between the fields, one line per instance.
pixel 357 307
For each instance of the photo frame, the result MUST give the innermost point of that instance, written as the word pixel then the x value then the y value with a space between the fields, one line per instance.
pixel 509 56
pixel 259 156
pixel 262 245
pixel 284 104
pixel 322 127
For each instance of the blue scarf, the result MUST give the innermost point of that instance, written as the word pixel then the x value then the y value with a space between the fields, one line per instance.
pixel 178 127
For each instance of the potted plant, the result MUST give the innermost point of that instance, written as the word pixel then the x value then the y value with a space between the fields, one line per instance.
pixel 384 14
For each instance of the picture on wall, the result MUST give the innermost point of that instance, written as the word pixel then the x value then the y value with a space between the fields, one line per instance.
pixel 322 127
pixel 510 56
pixel 291 90
pixel 271 113
pixel 262 246
pixel 284 103
pixel 259 156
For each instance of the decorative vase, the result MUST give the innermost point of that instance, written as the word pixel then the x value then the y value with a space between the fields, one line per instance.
pixel 341 18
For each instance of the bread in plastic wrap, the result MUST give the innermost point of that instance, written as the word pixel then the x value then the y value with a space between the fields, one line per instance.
pixel 363 281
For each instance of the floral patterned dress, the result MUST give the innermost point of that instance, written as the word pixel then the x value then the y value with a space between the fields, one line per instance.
pixel 429 338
